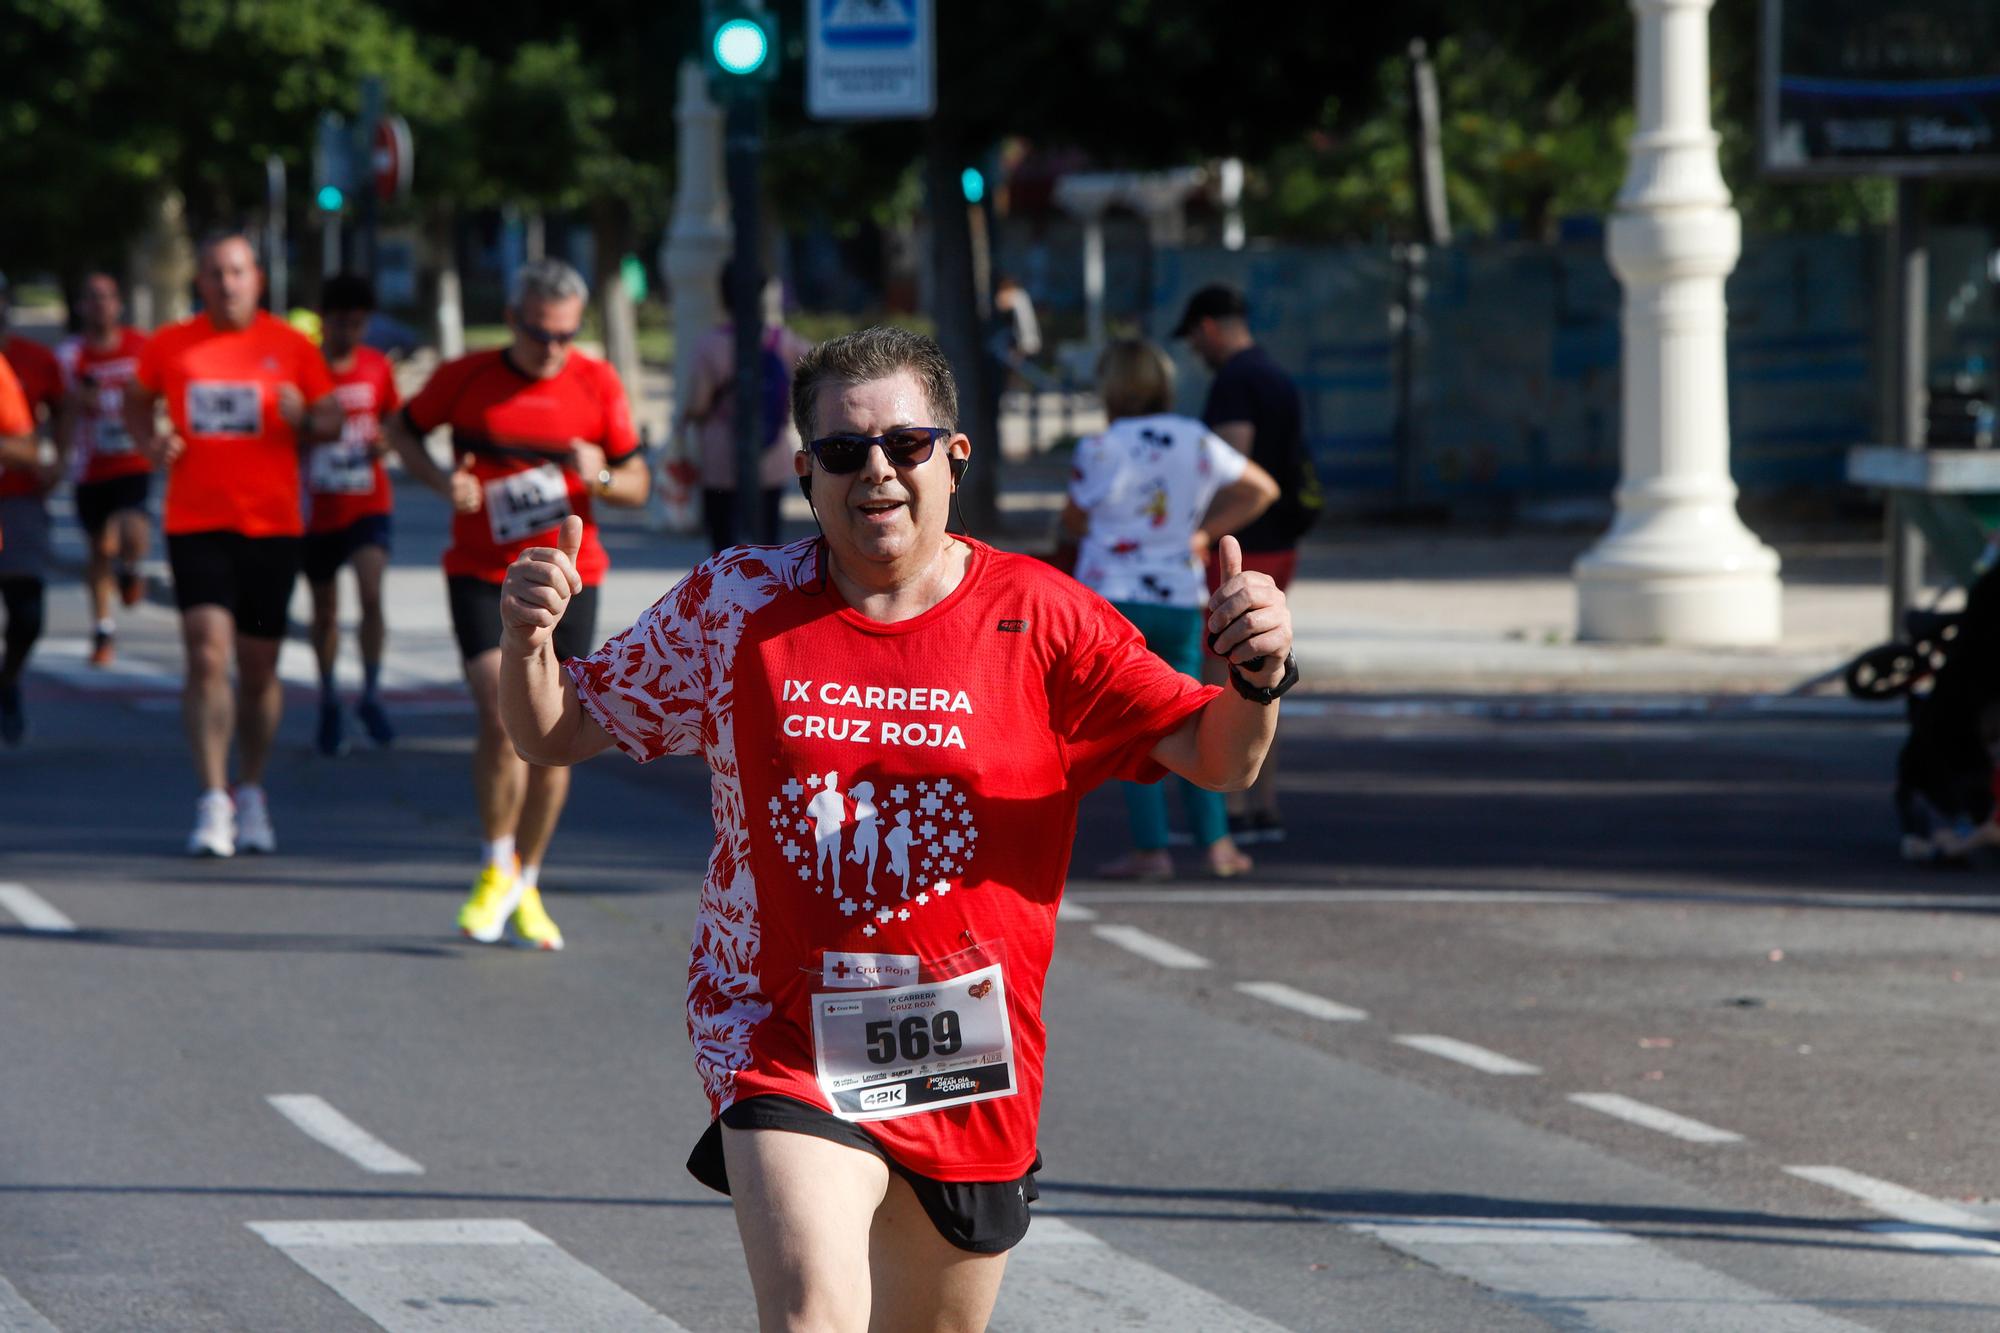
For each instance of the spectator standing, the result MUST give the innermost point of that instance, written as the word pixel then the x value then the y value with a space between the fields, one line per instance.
pixel 1148 499
pixel 1254 406
pixel 709 408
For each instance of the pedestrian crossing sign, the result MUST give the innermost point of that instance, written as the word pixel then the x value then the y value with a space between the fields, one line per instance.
pixel 870 59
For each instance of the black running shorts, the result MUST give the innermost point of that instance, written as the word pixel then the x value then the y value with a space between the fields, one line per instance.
pixel 326 552
pixel 475 619
pixel 97 501
pixel 251 577
pixel 979 1217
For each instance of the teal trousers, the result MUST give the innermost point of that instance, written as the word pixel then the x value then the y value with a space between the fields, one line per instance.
pixel 1174 632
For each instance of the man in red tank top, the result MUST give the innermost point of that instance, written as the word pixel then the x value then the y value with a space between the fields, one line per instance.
pixel 113 478
pixel 540 432
pixel 351 501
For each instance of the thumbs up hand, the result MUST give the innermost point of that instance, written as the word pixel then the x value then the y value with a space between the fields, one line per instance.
pixel 538 589
pixel 466 497
pixel 1248 622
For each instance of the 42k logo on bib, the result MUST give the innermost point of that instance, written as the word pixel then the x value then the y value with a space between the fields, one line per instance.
pixel 883 854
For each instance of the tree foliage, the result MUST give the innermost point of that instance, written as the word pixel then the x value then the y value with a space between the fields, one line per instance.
pixel 110 101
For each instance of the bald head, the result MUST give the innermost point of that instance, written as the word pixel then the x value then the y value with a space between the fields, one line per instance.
pixel 229 280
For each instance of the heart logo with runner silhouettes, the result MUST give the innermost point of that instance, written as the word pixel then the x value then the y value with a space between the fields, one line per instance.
pixel 883 855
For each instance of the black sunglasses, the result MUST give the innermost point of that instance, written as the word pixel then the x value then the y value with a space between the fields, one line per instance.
pixel 549 337
pixel 906 447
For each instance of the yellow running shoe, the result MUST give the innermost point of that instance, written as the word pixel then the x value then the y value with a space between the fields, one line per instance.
pixel 494 893
pixel 532 927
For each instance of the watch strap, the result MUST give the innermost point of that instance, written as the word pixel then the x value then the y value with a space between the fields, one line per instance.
pixel 1266 694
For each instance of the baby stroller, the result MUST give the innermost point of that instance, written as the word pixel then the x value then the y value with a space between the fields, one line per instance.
pixel 1947 666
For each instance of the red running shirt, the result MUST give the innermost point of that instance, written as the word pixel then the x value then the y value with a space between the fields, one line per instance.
pixel 104 450
pixel 15 419
pixel 40 380
pixel 346 477
pixel 240 472
pixel 883 792
pixel 517 432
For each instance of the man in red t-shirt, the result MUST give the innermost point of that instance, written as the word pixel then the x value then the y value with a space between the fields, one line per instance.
pixel 351 501
pixel 245 392
pixel 540 432
pixel 25 520
pixel 899 725
pixel 113 478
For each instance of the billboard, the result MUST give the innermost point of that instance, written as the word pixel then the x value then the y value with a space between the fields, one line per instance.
pixel 1881 87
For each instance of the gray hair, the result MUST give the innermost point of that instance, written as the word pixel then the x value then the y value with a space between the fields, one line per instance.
pixel 546 280
pixel 872 354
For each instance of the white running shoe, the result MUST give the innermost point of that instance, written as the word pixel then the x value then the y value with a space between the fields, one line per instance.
pixel 253 822
pixel 214 826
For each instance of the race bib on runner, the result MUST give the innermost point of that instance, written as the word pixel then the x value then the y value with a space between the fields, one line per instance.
pixel 521 504
pixel 901 1050
pixel 341 469
pixel 215 408
pixel 108 435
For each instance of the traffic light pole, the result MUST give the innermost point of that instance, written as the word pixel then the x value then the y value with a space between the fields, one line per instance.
pixel 364 153
pixel 743 146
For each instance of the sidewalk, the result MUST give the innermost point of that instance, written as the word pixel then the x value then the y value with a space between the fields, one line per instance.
pixel 1383 611
pixel 1458 610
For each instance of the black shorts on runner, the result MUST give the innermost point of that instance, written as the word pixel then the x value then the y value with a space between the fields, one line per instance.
pixel 326 552
pixel 979 1217
pixel 97 501
pixel 475 619
pixel 250 576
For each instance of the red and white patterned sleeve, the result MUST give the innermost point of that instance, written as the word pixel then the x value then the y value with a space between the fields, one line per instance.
pixel 649 687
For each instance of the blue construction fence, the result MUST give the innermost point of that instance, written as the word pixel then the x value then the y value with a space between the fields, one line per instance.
pixel 1517 380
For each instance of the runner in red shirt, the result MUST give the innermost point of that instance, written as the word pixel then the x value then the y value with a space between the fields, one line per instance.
pixel 25 520
pixel 540 431
pixel 113 478
pixel 900 725
pixel 19 447
pixel 351 501
pixel 245 392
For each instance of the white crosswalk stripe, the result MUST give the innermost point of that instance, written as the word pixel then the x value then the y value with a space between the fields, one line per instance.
pixel 317 1118
pixel 17 1316
pixel 457 1275
pixel 1599 1280
pixel 1062 1277
pixel 32 910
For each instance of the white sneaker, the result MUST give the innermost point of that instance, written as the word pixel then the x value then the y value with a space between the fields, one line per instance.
pixel 214 826
pixel 253 822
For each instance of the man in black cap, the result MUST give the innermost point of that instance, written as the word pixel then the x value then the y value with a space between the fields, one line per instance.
pixel 1255 407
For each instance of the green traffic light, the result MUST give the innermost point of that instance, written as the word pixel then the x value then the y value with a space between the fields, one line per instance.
pixel 973 184
pixel 741 47
pixel 330 198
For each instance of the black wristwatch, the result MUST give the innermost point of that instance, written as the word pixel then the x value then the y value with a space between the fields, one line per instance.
pixel 1266 694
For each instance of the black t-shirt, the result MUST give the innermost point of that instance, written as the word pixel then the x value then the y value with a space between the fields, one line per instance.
pixel 1250 387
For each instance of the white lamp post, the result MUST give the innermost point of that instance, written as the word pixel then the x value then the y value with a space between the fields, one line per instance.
pixel 1678 565
pixel 696 247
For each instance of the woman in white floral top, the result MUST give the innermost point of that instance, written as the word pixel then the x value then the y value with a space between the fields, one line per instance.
pixel 1147 499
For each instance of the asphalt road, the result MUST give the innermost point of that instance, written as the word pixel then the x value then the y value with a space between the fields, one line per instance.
pixel 282 1094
